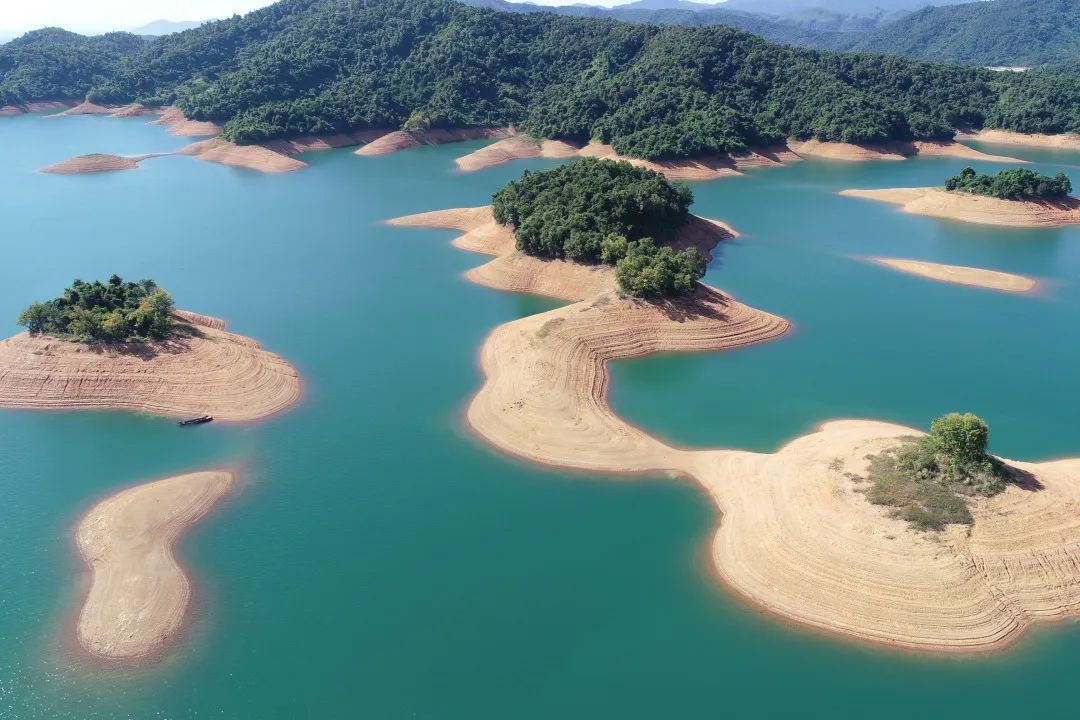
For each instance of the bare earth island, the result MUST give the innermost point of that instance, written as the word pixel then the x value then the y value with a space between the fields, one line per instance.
pixel 139 594
pixel 798 536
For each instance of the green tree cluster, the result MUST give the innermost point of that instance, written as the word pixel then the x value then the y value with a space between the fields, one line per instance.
pixel 319 66
pixel 927 479
pixel 1016 184
pixel 593 210
pixel 115 311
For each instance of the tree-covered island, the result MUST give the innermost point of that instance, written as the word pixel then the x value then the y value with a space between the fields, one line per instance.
pixel 114 311
pixel 1016 184
pixel 600 211
pixel 927 480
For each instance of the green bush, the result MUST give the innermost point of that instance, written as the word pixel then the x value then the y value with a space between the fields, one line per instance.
pixel 926 479
pixel 103 312
pixel 648 271
pixel 1017 184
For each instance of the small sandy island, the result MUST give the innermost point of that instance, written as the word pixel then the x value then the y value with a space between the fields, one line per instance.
pixel 96 162
pixel 960 274
pixel 519 147
pixel 139 594
pixel 981 209
pixel 201 370
pixel 798 536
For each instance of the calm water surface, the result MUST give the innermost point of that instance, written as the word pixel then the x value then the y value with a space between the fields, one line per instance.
pixel 379 562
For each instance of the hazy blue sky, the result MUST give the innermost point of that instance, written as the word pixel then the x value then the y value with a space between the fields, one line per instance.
pixel 101 15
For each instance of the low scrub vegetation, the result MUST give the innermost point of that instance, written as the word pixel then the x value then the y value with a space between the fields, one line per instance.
pixel 927 480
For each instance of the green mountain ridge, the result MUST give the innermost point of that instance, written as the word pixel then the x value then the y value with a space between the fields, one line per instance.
pixel 302 67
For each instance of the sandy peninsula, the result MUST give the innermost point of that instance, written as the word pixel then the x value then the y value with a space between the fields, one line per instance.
pixel 960 274
pixel 178 124
pixel 1006 137
pixel 96 162
pixel 981 209
pixel 797 536
pixel 139 594
pixel 202 369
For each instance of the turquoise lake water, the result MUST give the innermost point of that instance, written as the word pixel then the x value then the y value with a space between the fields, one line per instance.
pixel 380 562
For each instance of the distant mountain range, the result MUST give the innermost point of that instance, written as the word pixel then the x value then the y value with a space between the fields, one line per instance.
pixel 166 27
pixel 1011 33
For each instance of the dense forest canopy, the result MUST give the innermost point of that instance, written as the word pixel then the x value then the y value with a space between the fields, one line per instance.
pixel 316 66
pixel 114 311
pixel 1017 184
pixel 1010 33
pixel 593 210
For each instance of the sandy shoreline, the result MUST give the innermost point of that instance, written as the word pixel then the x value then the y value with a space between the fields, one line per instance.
pixel 211 372
pixel 520 147
pixel 797 536
pixel 960 274
pixel 981 209
pixel 1006 137
pixel 139 594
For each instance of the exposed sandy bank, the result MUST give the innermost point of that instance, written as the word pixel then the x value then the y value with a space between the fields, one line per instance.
pixel 797 537
pixel 521 147
pixel 178 124
pixel 252 157
pixel 83 108
pixel 96 162
pixel 966 207
pixel 139 594
pixel 211 372
pixel 401 140
pixel 960 274
pixel 9 110
pixel 891 151
pixel 1005 137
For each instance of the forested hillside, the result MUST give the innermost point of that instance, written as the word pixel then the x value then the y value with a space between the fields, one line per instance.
pixel 1001 32
pixel 316 66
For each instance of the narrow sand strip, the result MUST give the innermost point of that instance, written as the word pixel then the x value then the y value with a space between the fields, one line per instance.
pixel 797 537
pixel 1006 137
pixel 981 209
pixel 96 162
pixel 891 151
pixel 210 372
pixel 960 274
pixel 139 594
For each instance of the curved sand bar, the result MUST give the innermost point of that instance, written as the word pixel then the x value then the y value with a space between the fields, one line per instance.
pixel 797 537
pixel 138 593
pixel 210 372
pixel 981 209
pixel 960 274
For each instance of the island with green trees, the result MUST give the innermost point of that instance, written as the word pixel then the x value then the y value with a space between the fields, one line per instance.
pixel 1016 184
pixel 928 480
pixel 110 312
pixel 602 211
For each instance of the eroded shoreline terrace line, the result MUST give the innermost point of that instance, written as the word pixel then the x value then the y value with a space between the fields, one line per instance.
pixel 797 536
pixel 139 594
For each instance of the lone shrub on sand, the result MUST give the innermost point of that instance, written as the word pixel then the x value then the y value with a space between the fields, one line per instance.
pixel 927 479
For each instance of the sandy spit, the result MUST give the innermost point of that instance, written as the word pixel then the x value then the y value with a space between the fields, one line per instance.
pixel 252 157
pixel 401 140
pixel 960 274
pixel 1005 137
pixel 966 207
pixel 211 372
pixel 139 594
pixel 96 162
pixel 798 538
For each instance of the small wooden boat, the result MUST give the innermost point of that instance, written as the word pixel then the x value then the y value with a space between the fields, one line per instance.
pixel 196 420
